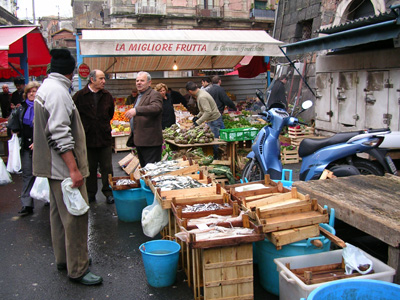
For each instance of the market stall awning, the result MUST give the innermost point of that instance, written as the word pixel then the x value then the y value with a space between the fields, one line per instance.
pixel 13 52
pixel 353 37
pixel 128 50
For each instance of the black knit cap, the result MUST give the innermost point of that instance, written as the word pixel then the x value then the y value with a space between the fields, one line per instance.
pixel 62 61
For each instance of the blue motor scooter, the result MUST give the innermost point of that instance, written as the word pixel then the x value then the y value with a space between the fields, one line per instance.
pixel 337 153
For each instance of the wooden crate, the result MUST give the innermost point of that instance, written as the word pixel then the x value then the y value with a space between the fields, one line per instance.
pixel 290 156
pixel 295 132
pixel 287 211
pixel 271 188
pixel 113 180
pixel 223 272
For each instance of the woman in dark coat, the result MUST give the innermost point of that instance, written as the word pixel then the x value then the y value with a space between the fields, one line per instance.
pixel 24 127
pixel 168 115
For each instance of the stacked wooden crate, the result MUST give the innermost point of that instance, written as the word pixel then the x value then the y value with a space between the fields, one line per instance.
pixel 296 135
pixel 217 267
pixel 285 216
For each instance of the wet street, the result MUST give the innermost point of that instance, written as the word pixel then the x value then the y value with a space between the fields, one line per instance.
pixel 28 269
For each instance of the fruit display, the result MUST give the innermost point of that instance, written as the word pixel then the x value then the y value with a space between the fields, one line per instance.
pixel 3 128
pixel 197 135
pixel 119 113
pixel 120 128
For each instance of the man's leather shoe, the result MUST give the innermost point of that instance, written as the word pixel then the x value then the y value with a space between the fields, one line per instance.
pixel 26 210
pixel 88 279
pixel 92 199
pixel 63 266
pixel 110 199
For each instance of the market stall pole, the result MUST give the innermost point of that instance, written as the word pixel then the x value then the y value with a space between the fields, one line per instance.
pixel 367 202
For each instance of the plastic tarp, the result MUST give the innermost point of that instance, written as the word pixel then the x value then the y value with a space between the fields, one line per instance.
pixel 11 49
pixel 127 50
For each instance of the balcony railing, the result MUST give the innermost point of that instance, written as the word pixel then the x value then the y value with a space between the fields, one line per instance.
pixel 262 14
pixel 209 12
pixel 145 9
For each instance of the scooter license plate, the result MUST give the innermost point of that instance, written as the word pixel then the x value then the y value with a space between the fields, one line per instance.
pixel 391 164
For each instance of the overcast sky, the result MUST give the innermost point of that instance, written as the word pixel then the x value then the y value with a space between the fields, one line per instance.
pixel 44 8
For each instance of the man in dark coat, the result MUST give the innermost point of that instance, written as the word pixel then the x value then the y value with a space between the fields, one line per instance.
pixel 177 97
pixel 96 109
pixel 219 95
pixel 145 120
pixel 5 97
pixel 18 96
pixel 278 94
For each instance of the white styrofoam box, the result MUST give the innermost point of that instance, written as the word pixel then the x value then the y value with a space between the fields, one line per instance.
pixel 291 287
pixel 120 141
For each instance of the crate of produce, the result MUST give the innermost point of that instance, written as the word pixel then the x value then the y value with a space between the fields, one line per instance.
pixel 123 183
pixel 238 134
pixel 250 133
pixel 299 131
pixel 291 286
pixel 231 135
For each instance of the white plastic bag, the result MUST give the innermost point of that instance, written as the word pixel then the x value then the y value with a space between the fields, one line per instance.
pixel 40 189
pixel 354 258
pixel 73 199
pixel 14 156
pixel 5 177
pixel 154 218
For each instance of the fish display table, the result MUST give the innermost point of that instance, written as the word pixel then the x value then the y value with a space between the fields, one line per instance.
pixel 369 203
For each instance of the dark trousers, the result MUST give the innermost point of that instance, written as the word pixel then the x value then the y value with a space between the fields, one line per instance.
pixel 27 177
pixel 99 156
pixel 69 233
pixel 149 154
pixel 215 126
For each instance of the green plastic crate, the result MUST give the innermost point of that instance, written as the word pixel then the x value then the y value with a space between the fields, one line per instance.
pixel 250 133
pixel 238 134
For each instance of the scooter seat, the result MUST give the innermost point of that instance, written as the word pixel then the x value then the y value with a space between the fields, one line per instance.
pixel 309 146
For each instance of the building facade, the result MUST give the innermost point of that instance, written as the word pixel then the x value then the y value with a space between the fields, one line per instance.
pixel 355 87
pixel 175 14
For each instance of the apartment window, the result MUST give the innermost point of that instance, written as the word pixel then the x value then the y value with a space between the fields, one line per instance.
pixel 304 30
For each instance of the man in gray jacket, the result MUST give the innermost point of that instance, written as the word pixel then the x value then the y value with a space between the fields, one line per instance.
pixel 60 152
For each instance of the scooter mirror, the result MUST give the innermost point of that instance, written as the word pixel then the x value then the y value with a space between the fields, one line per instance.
pixel 306 104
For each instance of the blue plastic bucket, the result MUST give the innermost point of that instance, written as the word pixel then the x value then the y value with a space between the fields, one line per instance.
pixel 147 192
pixel 365 289
pixel 129 204
pixel 160 259
pixel 267 252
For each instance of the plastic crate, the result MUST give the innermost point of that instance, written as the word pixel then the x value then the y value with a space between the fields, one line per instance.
pixel 291 287
pixel 238 134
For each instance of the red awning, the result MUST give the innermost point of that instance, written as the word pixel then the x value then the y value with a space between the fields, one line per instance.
pixel 256 66
pixel 11 42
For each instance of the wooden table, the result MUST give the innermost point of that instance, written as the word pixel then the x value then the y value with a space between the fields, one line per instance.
pixel 369 203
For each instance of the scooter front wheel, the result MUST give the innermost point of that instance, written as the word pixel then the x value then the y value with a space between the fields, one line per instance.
pixel 252 171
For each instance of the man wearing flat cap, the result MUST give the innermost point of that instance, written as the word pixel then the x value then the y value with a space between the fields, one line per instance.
pixel 60 153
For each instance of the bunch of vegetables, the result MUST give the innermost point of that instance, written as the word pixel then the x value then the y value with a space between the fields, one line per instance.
pixel 196 135
pixel 198 155
pixel 240 121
